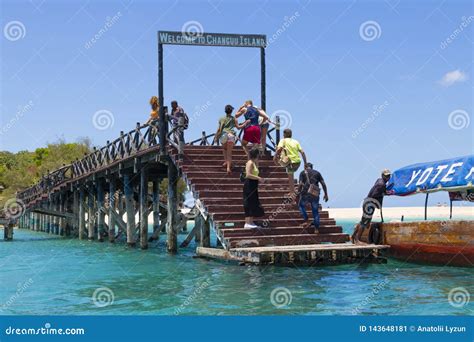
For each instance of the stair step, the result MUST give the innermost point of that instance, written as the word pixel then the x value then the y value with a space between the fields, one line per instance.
pixel 265 200
pixel 290 215
pixel 273 224
pixel 239 187
pixel 242 232
pixel 237 193
pixel 236 163
pixel 219 167
pixel 239 208
pixel 225 180
pixel 285 240
pixel 190 174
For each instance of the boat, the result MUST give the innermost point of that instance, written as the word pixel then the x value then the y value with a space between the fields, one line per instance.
pixel 448 242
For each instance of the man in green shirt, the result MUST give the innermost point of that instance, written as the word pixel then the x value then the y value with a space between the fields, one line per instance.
pixel 288 154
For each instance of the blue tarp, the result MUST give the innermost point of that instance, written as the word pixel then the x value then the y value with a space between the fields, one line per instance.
pixel 455 174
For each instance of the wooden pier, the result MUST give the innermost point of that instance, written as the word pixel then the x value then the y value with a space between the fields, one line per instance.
pixel 90 197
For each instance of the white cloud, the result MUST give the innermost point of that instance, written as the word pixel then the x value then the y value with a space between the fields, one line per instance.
pixel 452 77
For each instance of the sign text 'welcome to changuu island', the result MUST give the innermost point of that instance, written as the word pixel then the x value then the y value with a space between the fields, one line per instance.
pixel 212 39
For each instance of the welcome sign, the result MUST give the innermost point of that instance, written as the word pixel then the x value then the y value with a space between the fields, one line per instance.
pixel 212 39
pixel 449 174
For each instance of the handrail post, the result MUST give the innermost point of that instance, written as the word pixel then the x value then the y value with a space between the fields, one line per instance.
pixel 180 132
pixel 277 131
pixel 163 121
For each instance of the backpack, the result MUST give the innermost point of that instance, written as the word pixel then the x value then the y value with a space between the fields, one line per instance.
pixel 313 189
pixel 284 159
pixel 242 176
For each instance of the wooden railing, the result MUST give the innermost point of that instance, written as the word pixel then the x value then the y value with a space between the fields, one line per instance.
pixel 126 146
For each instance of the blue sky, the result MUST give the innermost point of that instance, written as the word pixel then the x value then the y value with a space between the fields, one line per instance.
pixel 358 100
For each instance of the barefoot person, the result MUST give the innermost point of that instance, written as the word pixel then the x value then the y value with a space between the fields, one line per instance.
pixel 226 135
pixel 252 205
pixel 373 201
pixel 308 190
pixel 288 155
pixel 252 132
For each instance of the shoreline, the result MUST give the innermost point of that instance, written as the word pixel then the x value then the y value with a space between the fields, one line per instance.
pixel 395 213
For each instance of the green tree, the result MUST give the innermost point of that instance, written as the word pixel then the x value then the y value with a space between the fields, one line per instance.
pixel 23 169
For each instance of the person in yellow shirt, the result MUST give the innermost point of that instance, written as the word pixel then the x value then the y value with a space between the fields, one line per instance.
pixel 288 153
pixel 155 110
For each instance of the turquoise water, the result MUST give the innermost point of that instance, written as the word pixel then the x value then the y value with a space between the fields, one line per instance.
pixel 46 274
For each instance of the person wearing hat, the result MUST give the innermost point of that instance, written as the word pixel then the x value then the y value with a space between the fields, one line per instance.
pixel 373 201
pixel 226 135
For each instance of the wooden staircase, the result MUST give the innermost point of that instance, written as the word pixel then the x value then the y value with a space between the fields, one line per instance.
pixel 221 196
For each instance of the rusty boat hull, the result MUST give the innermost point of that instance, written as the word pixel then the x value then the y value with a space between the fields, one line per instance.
pixel 444 243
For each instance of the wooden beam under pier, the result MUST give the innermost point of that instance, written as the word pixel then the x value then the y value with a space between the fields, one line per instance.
pixel 143 209
pixel 171 229
pixel 130 209
pixel 82 214
pixel 90 214
pixel 52 212
pixel 100 211
pixel 156 209
pixel 111 218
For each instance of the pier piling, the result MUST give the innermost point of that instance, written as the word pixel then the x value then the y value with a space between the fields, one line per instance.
pixel 100 211
pixel 130 209
pixel 156 209
pixel 171 229
pixel 143 209
pixel 90 213
pixel 111 220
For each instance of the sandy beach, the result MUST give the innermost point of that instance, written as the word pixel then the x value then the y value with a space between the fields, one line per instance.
pixel 395 213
